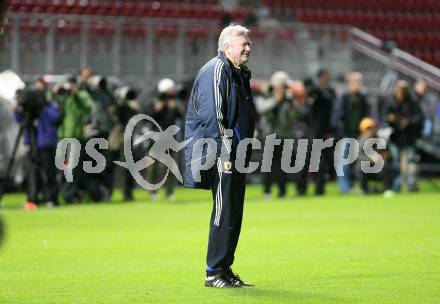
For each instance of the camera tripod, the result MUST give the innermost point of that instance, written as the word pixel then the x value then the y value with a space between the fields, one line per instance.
pixel 26 124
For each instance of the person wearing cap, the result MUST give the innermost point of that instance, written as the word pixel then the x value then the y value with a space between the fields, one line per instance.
pixel 368 130
pixel 166 109
pixel 276 115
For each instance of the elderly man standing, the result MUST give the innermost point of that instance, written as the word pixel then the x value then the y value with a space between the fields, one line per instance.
pixel 221 109
pixel 350 108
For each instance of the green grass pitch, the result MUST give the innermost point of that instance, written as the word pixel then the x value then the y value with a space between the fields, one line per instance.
pixel 332 249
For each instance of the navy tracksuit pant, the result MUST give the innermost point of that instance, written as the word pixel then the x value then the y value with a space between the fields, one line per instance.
pixel 228 190
pixel 229 186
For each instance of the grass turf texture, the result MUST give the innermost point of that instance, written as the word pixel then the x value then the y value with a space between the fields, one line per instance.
pixel 332 249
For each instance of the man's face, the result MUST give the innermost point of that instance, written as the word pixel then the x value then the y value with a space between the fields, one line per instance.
pixel 71 85
pixel 40 85
pixel 325 78
pixel 86 73
pixel 420 87
pixel 399 93
pixel 370 132
pixel 355 84
pixel 238 50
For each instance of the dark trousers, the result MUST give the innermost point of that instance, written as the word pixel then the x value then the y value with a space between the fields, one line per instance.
pixel 48 175
pixel 228 190
pixel 276 175
pixel 41 176
pixel 128 185
pixel 156 172
pixel 301 178
pixel 74 191
pixel 32 180
pixel 385 176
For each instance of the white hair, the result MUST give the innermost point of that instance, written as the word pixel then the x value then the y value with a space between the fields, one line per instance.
pixel 230 32
pixel 354 76
pixel 279 78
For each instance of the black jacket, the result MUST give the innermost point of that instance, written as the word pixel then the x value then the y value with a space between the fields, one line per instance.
pixel 410 111
pixel 349 110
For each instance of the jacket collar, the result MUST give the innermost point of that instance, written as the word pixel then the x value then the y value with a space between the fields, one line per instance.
pixel 222 56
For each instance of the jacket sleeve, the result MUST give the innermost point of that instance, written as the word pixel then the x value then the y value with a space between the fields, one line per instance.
pixel 222 87
pixel 210 104
pixel 417 116
pixel 86 102
pixel 52 113
pixel 221 99
pixel 337 115
pixel 265 105
pixel 18 115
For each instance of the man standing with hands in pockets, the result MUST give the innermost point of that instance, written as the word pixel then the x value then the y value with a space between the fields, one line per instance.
pixel 221 108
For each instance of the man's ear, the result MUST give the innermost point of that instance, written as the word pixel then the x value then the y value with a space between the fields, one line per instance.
pixel 226 47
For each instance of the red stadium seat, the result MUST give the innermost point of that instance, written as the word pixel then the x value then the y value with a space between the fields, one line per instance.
pixel 165 30
pixel 197 31
pixel 101 29
pixel 284 34
pixel 68 27
pixel 134 30
pixel 34 26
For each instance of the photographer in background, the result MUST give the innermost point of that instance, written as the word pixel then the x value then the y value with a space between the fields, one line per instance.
pixel 167 109
pixel 405 116
pixel 76 105
pixel 39 118
pixel 127 106
pixel 103 120
pixel 367 131
pixel 276 115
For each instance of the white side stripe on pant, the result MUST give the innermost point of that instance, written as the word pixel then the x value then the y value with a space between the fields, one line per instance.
pixel 218 195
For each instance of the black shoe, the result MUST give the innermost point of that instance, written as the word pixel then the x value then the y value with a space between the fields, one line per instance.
pixel 219 281
pixel 235 279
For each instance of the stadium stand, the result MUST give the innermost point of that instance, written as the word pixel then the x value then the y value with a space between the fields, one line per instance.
pixel 414 25
pixel 153 9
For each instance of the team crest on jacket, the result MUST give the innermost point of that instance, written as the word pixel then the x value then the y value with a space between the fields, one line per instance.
pixel 227 165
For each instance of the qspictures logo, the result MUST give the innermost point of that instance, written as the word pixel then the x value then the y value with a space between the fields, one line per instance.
pixel 204 153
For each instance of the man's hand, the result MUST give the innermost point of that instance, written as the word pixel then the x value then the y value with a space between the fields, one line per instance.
pixel 279 95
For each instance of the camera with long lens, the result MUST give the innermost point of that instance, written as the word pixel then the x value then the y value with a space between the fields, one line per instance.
pixel 31 101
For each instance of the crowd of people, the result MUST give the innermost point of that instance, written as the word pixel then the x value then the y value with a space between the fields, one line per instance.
pixel 83 107
pixel 87 106
pixel 304 110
